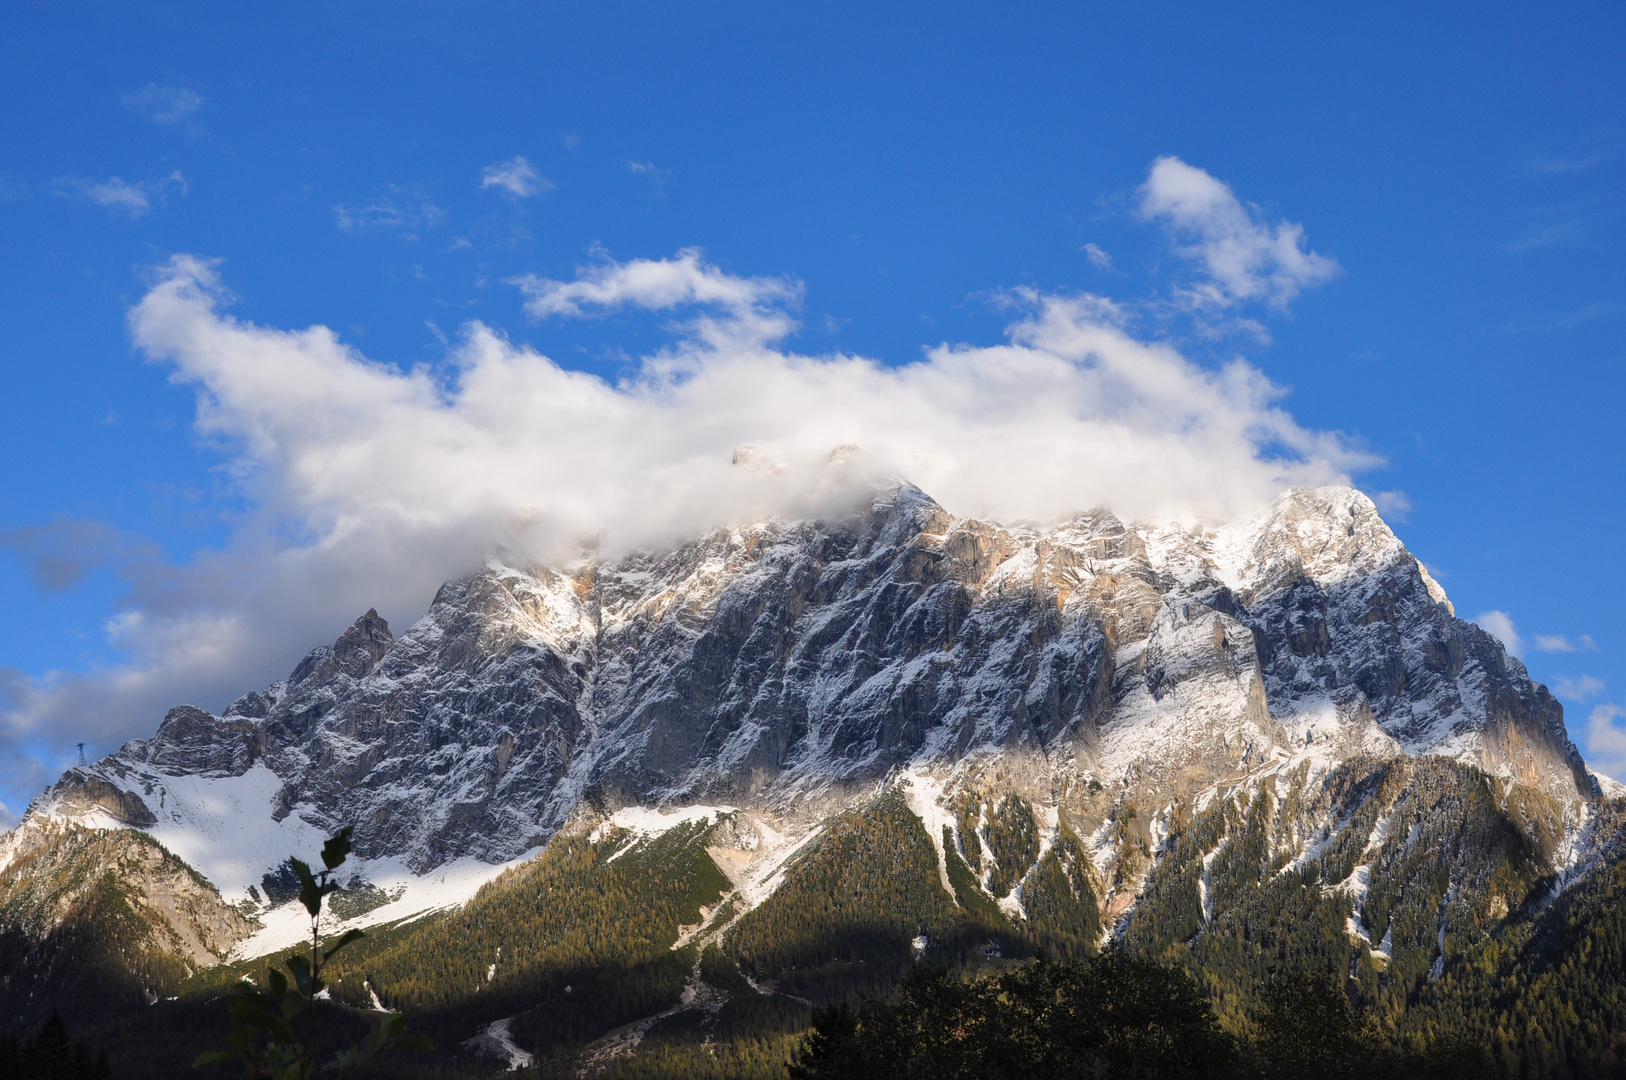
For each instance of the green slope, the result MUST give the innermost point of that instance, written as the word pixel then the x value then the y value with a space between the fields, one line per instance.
pixel 578 942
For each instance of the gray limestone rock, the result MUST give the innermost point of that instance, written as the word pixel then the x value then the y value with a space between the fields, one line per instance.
pixel 792 666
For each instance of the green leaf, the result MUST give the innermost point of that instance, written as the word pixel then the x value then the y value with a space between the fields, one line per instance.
pixel 253 1012
pixel 211 1057
pixel 349 936
pixel 337 848
pixel 278 981
pixel 303 977
pixel 310 893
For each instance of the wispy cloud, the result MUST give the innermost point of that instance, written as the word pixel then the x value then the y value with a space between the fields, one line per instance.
pixel 656 176
pixel 1579 689
pixel 1499 625
pixel 166 105
pixel 399 210
pixel 755 310
pixel 1581 154
pixel 1561 643
pixel 1548 234
pixel 1098 256
pixel 1606 740
pixel 1567 320
pixel 133 199
pixel 515 177
pixel 1569 163
pixel 1395 505
pixel 1240 256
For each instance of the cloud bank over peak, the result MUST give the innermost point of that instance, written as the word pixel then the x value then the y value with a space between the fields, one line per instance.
pixel 1071 413
pixel 369 485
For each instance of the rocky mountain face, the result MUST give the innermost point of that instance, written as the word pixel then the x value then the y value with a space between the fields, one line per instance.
pixel 1082 718
pixel 787 667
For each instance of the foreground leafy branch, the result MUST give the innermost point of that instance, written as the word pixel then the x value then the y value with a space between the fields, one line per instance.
pixel 263 1035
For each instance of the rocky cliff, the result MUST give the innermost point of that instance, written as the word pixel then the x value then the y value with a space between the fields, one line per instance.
pixel 788 667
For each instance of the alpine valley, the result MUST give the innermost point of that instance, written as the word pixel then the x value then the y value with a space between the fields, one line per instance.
pixel 640 816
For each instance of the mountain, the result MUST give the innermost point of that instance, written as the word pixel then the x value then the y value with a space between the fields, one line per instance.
pixel 1053 734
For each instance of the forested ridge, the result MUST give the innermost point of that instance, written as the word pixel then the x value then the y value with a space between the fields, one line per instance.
pixel 76 938
pixel 1415 892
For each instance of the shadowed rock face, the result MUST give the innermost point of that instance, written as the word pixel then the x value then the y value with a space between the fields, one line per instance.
pixel 790 667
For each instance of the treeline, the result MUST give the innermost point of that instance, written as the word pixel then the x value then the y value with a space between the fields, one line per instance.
pixel 571 944
pixel 851 909
pixel 49 1054
pixel 1113 1016
pixel 854 910
pixel 1548 996
pixel 1450 859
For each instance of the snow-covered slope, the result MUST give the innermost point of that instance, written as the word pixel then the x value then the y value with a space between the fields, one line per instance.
pixel 790 668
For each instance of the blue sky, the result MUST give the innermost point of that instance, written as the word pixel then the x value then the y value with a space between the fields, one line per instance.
pixel 888 180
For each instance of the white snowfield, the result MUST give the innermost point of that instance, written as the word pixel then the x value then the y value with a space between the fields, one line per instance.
pixel 444 888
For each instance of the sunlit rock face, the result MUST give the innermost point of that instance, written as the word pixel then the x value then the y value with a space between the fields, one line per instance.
pixel 792 668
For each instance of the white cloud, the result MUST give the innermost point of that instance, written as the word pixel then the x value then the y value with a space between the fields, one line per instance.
pixel 400 210
pixel 1561 643
pixel 134 199
pixel 1499 625
pixel 1606 741
pixel 165 105
pixel 370 485
pixel 516 177
pixel 1393 505
pixel 1098 256
pixel 8 818
pixel 754 310
pixel 1242 257
pixel 1577 689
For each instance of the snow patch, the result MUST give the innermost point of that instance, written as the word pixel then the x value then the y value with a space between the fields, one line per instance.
pixel 924 794
pixel 495 1040
pixel 653 822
